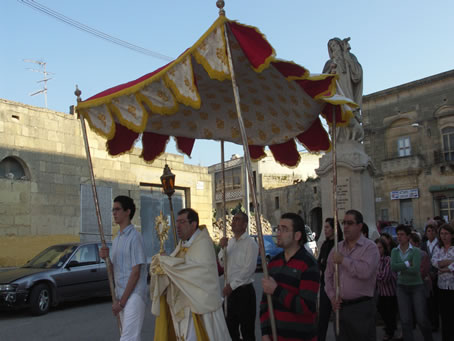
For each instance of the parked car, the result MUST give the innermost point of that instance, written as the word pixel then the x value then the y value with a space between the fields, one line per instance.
pixel 271 249
pixel 388 227
pixel 64 272
pixel 391 230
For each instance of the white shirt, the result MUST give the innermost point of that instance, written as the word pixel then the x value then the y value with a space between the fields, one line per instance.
pixel 431 245
pixel 445 279
pixel 404 255
pixel 241 260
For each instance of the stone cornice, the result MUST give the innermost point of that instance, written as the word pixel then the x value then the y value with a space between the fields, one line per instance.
pixel 410 85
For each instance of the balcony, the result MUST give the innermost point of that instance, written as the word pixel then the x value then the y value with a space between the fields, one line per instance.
pixel 440 156
pixel 406 165
pixel 232 194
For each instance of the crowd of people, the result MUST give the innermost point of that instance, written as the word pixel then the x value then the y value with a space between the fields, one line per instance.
pixel 411 281
pixel 414 281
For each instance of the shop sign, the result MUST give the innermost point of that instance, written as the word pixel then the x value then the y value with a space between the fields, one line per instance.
pixel 405 194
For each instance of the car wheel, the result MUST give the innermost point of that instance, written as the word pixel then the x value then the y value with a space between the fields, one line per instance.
pixel 40 299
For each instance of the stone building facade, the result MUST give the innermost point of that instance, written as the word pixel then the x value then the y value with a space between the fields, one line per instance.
pixel 303 198
pixel 274 183
pixel 45 188
pixel 409 134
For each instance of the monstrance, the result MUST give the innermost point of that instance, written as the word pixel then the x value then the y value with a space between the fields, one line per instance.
pixel 162 229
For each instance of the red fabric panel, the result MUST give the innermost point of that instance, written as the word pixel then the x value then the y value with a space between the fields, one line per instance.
pixel 290 69
pixel 316 87
pixel 126 85
pixel 315 138
pixel 254 46
pixel 328 113
pixel 286 153
pixel 185 144
pixel 123 140
pixel 153 145
pixel 256 152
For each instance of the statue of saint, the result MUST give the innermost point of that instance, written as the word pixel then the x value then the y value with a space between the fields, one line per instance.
pixel 344 63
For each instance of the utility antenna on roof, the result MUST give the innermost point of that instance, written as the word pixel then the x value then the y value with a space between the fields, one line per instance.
pixel 44 81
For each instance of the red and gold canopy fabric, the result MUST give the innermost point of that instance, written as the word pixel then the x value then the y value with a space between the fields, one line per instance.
pixel 192 98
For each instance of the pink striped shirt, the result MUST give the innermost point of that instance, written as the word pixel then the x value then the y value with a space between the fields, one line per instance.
pixel 386 279
pixel 358 271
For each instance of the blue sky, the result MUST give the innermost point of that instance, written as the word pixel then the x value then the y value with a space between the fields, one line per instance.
pixel 395 41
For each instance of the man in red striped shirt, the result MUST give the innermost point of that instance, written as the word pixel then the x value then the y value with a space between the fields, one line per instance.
pixel 293 285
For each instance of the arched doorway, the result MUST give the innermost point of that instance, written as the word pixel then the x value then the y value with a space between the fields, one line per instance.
pixel 316 221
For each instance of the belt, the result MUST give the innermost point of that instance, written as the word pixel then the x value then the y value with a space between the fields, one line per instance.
pixel 244 286
pixel 356 300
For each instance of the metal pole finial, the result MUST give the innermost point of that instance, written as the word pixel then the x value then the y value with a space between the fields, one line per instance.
pixel 78 93
pixel 220 4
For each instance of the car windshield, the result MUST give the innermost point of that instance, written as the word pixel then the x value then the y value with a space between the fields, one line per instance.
pixel 52 257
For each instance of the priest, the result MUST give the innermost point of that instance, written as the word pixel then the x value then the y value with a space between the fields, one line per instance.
pixel 185 289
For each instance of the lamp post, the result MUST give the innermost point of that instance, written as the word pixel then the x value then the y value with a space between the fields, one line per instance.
pixel 168 186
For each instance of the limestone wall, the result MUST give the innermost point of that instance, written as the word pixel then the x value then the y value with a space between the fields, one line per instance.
pixel 44 207
pixel 418 111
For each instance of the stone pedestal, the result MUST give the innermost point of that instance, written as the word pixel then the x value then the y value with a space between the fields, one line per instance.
pixel 355 189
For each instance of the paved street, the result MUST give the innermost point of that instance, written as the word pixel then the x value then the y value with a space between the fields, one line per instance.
pixel 91 320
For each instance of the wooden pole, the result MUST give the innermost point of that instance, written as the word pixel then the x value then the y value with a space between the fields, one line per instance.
pixel 98 211
pixel 336 266
pixel 172 221
pixel 224 221
pixel 247 159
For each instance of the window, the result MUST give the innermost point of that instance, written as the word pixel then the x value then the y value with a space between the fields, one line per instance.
pixel 86 255
pixel 384 214
pixel 236 175
pixel 315 190
pixel 276 203
pixel 447 208
pixel 448 143
pixel 232 179
pixel 403 146
pixel 11 168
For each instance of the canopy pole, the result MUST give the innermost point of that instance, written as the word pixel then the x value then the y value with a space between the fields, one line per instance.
pixel 98 211
pixel 247 159
pixel 224 221
pixel 336 266
pixel 172 221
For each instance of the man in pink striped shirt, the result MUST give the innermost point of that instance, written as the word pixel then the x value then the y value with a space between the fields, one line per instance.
pixel 358 259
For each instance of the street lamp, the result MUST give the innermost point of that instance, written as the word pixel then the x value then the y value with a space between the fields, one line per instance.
pixel 168 186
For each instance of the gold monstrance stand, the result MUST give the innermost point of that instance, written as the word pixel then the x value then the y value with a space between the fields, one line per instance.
pixel 162 229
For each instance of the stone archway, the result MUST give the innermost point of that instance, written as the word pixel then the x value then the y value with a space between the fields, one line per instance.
pixel 316 221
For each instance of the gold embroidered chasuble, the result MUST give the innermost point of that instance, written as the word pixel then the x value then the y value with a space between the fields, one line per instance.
pixel 184 288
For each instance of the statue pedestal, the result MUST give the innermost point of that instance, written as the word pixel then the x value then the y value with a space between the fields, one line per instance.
pixel 355 188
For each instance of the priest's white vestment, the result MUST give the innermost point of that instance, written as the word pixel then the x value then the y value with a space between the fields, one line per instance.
pixel 184 288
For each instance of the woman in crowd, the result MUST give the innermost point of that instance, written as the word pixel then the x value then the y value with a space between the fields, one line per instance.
pixel 410 290
pixel 325 303
pixel 386 290
pixel 388 240
pixel 429 245
pixel 443 260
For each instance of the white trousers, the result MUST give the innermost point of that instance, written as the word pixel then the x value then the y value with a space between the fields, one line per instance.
pixel 132 318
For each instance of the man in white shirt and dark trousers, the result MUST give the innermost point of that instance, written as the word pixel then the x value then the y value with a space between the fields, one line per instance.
pixel 242 252
pixel 129 269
